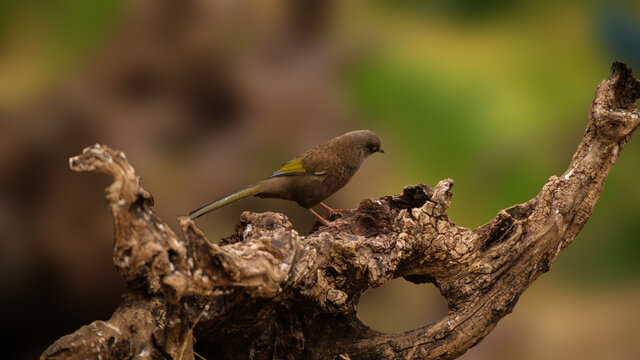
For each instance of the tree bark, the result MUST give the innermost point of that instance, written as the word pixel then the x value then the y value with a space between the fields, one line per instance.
pixel 266 292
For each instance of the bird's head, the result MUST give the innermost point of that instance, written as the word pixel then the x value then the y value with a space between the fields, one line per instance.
pixel 366 141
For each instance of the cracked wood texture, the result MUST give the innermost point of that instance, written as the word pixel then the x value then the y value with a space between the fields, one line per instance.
pixel 267 292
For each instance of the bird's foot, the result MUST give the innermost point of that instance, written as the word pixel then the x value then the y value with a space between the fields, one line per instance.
pixel 331 212
pixel 320 218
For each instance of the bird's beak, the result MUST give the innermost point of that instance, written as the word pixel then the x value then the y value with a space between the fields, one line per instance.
pixel 381 151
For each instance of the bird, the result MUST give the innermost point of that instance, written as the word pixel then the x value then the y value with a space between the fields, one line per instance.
pixel 311 177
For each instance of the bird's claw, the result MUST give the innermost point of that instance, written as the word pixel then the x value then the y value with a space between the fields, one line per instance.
pixel 331 212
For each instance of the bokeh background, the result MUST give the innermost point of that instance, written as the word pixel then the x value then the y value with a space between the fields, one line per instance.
pixel 207 96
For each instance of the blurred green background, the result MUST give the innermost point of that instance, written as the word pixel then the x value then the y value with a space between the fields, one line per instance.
pixel 207 97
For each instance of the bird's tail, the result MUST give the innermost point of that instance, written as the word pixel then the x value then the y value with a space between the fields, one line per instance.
pixel 242 193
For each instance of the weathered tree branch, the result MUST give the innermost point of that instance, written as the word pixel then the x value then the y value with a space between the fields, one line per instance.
pixel 268 292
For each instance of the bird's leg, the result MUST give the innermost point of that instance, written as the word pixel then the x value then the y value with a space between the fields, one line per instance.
pixel 333 211
pixel 322 220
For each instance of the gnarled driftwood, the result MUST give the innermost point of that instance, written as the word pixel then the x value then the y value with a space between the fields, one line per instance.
pixel 268 292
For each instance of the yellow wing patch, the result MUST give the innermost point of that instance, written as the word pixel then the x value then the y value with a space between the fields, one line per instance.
pixel 291 167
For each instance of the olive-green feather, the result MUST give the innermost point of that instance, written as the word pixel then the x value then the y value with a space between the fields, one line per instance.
pixel 215 204
pixel 291 167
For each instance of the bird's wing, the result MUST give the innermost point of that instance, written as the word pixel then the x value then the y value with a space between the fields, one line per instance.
pixel 294 167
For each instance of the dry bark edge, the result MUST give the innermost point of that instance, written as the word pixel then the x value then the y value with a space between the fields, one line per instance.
pixel 269 292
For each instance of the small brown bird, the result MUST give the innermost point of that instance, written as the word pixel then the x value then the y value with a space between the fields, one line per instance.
pixel 312 176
